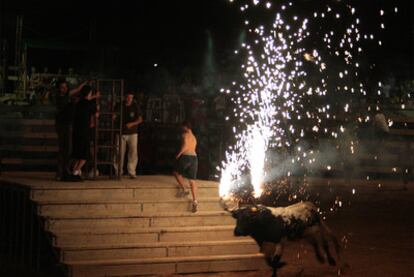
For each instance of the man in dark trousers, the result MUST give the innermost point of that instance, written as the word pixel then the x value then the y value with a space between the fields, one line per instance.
pixel 63 126
pixel 84 111
pixel 131 119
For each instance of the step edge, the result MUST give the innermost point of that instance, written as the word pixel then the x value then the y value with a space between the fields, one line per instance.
pixel 120 201
pixel 157 230
pixel 146 215
pixel 157 245
pixel 167 260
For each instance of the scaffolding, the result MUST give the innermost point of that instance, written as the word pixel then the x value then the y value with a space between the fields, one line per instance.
pixel 106 155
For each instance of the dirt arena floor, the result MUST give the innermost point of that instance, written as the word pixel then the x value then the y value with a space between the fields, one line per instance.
pixel 376 229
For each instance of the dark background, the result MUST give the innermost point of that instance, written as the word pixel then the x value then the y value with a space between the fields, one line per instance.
pixel 126 38
pixel 123 38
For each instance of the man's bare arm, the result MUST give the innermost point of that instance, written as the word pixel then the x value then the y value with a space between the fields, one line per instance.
pixel 76 90
pixel 94 96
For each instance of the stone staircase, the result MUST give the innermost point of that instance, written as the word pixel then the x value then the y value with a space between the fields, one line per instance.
pixel 138 227
pixel 28 141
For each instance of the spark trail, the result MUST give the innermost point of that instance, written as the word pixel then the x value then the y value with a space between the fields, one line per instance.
pixel 300 74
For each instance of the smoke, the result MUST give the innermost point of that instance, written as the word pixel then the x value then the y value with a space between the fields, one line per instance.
pixel 302 160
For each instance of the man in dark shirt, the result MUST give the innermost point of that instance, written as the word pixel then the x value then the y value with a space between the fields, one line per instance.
pixel 84 111
pixel 130 120
pixel 63 125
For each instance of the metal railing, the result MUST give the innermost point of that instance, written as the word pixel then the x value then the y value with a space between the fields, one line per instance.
pixel 25 247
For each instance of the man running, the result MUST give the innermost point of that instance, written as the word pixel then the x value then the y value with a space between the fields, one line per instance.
pixel 187 163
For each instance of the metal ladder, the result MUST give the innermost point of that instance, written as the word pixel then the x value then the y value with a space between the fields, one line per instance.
pixel 105 149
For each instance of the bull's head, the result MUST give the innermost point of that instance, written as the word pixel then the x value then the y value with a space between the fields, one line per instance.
pixel 250 219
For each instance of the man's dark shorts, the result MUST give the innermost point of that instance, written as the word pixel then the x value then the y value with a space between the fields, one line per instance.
pixel 187 166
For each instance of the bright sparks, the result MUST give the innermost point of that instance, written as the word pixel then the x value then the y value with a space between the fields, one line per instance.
pixel 284 92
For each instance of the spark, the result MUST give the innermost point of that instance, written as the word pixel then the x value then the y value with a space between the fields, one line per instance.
pixel 276 98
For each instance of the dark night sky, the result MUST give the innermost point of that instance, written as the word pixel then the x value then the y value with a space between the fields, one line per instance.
pixel 155 31
pixel 167 32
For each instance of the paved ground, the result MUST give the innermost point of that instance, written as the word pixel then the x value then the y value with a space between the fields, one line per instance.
pixel 377 232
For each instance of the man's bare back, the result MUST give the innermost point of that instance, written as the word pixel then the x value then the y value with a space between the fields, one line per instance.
pixel 189 144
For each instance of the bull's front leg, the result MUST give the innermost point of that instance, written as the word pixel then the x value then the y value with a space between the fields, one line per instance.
pixel 273 253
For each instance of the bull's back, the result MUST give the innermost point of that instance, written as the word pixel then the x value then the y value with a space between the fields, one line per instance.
pixel 297 218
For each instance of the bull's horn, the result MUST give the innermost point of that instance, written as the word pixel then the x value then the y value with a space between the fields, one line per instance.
pixel 227 204
pixel 223 204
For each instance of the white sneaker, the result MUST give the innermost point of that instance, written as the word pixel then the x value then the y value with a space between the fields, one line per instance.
pixel 194 206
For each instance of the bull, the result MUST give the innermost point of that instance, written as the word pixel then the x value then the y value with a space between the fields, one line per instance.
pixel 271 227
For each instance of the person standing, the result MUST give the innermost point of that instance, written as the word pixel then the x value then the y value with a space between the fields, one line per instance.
pixel 63 125
pixel 84 111
pixel 187 163
pixel 131 119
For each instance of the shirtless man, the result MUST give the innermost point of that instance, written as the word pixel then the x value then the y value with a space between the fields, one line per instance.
pixel 187 163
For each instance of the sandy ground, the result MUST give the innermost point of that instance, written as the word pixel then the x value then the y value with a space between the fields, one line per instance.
pixel 376 227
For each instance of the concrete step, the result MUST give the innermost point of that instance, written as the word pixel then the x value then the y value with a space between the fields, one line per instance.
pixel 12 168
pixel 38 109
pixel 28 122
pixel 162 250
pixel 112 236
pixel 143 221
pixel 123 209
pixel 29 141
pixel 30 135
pixel 23 161
pixel 170 265
pixel 22 129
pixel 161 189
pixel 29 148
